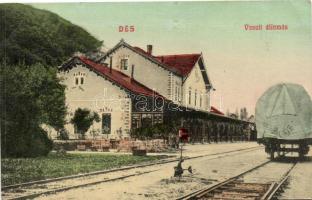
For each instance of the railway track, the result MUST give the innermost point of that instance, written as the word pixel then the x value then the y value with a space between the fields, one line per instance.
pixel 235 188
pixel 37 188
pixel 62 189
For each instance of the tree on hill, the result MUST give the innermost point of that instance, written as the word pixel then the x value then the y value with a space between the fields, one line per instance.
pixel 31 95
pixel 32 35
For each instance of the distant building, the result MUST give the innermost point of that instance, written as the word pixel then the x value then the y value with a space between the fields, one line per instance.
pixel 215 110
pixel 129 87
pixel 234 116
pixel 251 118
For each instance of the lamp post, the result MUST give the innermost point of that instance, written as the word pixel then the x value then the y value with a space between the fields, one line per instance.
pixel 183 138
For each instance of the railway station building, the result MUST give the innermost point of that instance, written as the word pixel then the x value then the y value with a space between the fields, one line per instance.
pixel 130 87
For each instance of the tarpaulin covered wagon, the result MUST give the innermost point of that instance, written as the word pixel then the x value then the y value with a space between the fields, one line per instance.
pixel 284 116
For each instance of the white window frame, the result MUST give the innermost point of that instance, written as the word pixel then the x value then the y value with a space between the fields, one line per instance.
pixel 124 63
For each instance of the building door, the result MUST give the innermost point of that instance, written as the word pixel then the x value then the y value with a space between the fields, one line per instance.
pixel 147 120
pixel 106 123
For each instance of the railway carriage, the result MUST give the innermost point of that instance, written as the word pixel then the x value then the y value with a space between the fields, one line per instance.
pixel 284 120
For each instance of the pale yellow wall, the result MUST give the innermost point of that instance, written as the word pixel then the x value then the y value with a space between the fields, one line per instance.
pixel 196 82
pixel 146 72
pixel 164 82
pixel 99 95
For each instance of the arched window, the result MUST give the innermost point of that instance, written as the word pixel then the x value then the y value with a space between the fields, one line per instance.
pixel 195 97
pixel 190 96
pixel 79 78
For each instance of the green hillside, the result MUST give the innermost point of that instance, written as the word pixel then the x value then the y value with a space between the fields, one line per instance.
pixel 32 35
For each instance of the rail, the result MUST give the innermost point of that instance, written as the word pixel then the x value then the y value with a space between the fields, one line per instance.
pixel 234 188
pixel 9 190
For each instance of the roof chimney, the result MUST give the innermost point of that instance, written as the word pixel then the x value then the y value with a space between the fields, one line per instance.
pixel 110 64
pixel 149 49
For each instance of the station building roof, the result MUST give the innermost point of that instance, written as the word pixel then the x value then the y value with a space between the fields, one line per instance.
pixel 180 63
pixel 114 76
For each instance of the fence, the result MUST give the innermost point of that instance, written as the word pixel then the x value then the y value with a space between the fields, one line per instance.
pixel 125 145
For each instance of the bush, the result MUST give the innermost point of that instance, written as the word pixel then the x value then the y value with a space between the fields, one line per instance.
pixel 35 143
pixel 83 119
pixel 40 145
pixel 157 131
pixel 64 135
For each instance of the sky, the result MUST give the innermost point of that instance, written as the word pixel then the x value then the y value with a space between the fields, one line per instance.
pixel 241 63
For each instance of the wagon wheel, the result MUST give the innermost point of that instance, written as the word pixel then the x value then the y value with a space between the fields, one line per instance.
pixel 301 152
pixel 283 154
pixel 301 155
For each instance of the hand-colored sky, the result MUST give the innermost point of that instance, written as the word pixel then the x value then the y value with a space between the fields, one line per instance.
pixel 241 64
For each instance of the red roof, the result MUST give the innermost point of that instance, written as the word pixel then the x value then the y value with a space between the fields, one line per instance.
pixel 119 78
pixel 182 63
pixel 142 51
pixel 215 110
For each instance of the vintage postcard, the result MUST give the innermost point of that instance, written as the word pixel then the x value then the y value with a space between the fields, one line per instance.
pixel 156 100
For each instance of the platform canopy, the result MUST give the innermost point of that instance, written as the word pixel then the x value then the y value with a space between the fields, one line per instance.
pixel 284 111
